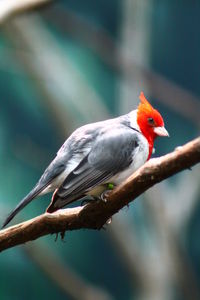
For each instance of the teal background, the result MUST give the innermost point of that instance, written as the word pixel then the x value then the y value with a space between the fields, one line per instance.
pixel 108 51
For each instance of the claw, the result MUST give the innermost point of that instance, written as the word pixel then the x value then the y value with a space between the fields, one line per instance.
pixel 104 196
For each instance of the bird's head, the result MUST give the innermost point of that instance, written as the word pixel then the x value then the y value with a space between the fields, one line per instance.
pixel 150 120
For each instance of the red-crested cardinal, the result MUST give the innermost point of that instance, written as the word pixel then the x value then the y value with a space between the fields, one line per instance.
pixel 97 154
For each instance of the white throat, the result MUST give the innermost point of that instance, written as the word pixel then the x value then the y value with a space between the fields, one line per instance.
pixel 133 119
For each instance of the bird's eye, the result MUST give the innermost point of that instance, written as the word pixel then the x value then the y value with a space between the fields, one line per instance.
pixel 151 121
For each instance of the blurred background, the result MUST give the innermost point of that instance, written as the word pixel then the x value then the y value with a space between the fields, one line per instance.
pixel 67 63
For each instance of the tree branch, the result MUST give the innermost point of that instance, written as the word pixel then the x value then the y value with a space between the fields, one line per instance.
pixel 95 215
pixel 14 7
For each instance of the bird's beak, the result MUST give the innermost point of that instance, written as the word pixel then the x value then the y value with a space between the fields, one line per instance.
pixel 161 131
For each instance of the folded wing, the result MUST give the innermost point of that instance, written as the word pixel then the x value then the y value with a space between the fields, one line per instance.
pixel 110 154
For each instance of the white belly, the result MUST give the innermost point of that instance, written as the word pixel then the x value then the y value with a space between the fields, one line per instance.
pixel 140 157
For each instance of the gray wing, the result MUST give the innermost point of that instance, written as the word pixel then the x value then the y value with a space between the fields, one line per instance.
pixel 75 148
pixel 110 154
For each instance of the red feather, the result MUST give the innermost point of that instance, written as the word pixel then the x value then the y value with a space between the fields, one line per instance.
pixel 144 112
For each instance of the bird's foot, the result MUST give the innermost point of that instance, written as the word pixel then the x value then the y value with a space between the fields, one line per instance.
pixel 104 195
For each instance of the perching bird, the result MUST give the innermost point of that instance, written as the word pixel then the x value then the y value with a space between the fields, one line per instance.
pixel 97 154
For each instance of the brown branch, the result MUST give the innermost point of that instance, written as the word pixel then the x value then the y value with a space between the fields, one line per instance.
pixel 95 215
pixel 11 8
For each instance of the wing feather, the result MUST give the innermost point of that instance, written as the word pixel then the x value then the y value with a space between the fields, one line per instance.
pixel 110 154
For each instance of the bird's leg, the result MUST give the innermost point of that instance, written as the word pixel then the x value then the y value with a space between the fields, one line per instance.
pixel 104 195
pixel 108 188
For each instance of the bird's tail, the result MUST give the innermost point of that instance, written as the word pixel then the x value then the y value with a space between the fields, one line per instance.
pixel 26 200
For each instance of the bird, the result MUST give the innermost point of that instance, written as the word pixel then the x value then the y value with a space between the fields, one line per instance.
pixel 97 155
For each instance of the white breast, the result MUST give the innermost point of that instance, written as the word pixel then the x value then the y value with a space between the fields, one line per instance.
pixel 140 156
